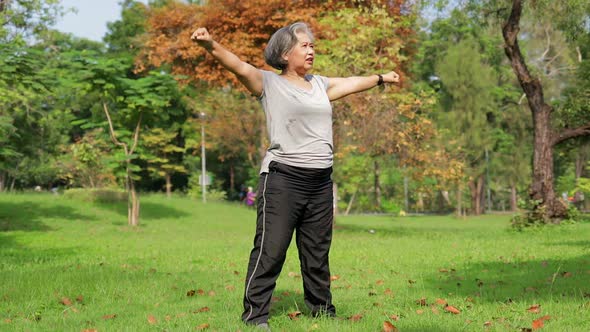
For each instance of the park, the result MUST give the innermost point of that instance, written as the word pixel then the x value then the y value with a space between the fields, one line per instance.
pixel 437 150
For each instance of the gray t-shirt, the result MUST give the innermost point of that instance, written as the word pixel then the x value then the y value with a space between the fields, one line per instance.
pixel 299 122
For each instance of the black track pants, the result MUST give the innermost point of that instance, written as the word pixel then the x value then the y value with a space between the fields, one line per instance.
pixel 291 199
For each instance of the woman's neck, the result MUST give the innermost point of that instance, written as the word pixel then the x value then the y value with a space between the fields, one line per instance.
pixel 294 75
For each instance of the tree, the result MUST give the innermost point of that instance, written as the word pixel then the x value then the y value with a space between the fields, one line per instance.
pixel 468 82
pixel 160 150
pixel 546 137
pixel 127 103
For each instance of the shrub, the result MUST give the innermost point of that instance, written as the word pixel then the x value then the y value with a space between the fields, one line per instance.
pixel 97 195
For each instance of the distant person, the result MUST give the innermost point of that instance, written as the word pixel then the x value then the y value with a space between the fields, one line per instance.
pixel 295 186
pixel 250 197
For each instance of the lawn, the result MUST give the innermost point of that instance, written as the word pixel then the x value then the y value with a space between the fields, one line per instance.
pixel 74 266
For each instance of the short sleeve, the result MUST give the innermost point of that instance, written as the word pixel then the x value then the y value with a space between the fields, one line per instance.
pixel 324 81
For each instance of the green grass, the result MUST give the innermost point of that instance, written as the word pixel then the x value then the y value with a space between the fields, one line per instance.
pixel 52 248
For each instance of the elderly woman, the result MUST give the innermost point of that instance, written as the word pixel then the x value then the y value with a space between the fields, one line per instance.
pixel 295 188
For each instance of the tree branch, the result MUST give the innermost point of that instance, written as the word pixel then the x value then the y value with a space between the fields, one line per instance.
pixel 583 130
pixel 136 133
pixel 530 85
pixel 111 129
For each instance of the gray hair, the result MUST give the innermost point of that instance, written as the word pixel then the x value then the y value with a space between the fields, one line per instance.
pixel 283 41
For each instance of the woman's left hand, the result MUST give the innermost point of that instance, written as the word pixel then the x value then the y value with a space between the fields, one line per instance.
pixel 391 77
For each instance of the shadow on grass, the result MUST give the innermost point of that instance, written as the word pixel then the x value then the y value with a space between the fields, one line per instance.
pixel 28 216
pixel 397 231
pixel 285 302
pixel 147 211
pixel 508 281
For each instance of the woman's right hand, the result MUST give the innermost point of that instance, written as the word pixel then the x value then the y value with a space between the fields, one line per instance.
pixel 202 37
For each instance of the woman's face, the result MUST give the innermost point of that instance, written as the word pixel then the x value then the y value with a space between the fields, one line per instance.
pixel 300 58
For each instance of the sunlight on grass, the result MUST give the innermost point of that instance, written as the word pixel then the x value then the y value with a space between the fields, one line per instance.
pixel 69 266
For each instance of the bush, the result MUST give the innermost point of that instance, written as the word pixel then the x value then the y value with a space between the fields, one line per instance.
pixel 97 195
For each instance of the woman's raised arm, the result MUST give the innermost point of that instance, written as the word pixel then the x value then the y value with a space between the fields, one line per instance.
pixel 343 86
pixel 247 74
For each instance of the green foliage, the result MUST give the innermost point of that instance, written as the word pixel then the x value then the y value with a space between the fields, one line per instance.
pixel 535 216
pixel 24 20
pixel 96 195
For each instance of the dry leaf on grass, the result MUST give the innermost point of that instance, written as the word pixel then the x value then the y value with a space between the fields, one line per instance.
pixel 152 320
pixel 355 318
pixel 202 327
pixel 453 310
pixel 105 317
pixel 65 301
pixel 540 322
pixel 535 308
pixel 388 327
pixel 294 315
pixel 203 309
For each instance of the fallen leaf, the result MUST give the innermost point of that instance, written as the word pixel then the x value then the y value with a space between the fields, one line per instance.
pixel 90 330
pixel 230 287
pixel 487 324
pixel 566 274
pixel 395 318
pixel 8 320
pixel 388 327
pixel 443 270
pixel 80 298
pixel 535 309
pixel 379 282
pixel 203 309
pixel 334 277
pixel 453 310
pixel 293 274
pixel 411 281
pixel 377 304
pixel 211 293
pixel 202 327
pixel 388 292
pixel 441 301
pixel 168 318
pixel 275 299
pixel 200 292
pixel 422 302
pixel 191 292
pixel 419 311
pixel 237 273
pixel 540 322
pixel 152 320
pixel 286 294
pixel 355 318
pixel 105 317
pixel 434 310
pixel 65 301
pixel 294 315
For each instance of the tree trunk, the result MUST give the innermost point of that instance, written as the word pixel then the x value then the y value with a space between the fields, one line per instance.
pixel 350 204
pixel 459 199
pixel 476 191
pixel 377 185
pixel 168 185
pixel 132 204
pixel 513 198
pixel 2 181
